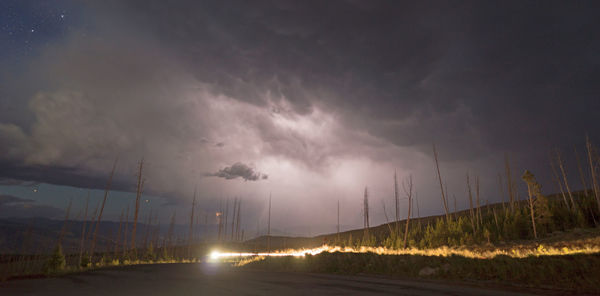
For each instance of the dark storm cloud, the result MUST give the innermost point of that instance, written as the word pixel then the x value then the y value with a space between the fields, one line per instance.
pixel 16 182
pixel 478 77
pixel 239 170
pixel 301 82
pixel 19 174
pixel 12 206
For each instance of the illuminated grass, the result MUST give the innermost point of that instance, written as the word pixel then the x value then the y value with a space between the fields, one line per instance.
pixel 584 246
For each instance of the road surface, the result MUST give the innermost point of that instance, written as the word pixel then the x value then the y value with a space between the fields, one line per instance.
pixel 215 279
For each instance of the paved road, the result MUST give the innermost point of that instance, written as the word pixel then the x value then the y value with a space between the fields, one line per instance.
pixel 212 279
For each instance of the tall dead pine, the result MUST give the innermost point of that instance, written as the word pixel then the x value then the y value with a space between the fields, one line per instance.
pixel 408 187
pixel 118 240
pixel 170 235
pixel 269 227
pixel 593 169
pixel 82 240
pixel 138 196
pixel 191 233
pixel 444 199
pixel 579 167
pixel 366 212
pixel 532 187
pixel 106 191
pixel 397 203
pixel 558 182
pixel 509 183
pixel 479 218
pixel 338 220
pixel 564 174
pixel 65 223
pixel 238 218
pixel 471 211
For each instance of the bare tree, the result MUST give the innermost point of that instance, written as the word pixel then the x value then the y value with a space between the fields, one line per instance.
pixel 397 202
pixel 106 191
pixel 562 170
pixel 417 202
pixel 593 168
pixel 471 203
pixel 479 219
pixel 65 223
pixel 147 229
pixel 338 219
pixel 501 191
pixel 455 212
pixel 408 187
pixel 558 182
pixel 81 243
pixel 191 232
pixel 118 240
pixel 269 227
pixel 170 234
pixel 138 196
pixel 219 216
pixel 509 183
pixel 579 167
pixel 125 233
pixel 387 220
pixel 225 219
pixel 233 218
pixel 437 165
pixel 532 187
pixel 366 212
pixel 238 220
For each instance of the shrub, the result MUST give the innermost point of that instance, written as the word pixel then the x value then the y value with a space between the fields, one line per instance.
pixel 56 262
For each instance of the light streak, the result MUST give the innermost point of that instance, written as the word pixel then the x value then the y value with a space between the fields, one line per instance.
pixel 514 252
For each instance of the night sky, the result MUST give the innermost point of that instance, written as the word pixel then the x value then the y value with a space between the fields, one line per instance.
pixel 308 100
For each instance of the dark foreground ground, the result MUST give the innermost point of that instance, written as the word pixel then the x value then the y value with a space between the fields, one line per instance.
pixel 216 279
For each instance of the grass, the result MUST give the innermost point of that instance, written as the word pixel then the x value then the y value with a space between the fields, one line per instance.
pixel 569 273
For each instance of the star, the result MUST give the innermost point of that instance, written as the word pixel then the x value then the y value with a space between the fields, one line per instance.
pixel 32 30
pixel 62 16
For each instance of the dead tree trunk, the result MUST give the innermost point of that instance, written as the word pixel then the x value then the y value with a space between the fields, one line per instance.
pixel 437 165
pixel 408 191
pixel 138 196
pixel 269 227
pixel 559 183
pixel 191 233
pixel 238 220
pixel 509 183
pixel 471 211
pixel 479 218
pixel 170 236
pixel 65 223
pixel 366 213
pixel 233 218
pixel 106 191
pixel 125 234
pixel 118 240
pixel 502 191
pixel 579 167
pixel 338 220
pixel 397 203
pixel 529 179
pixel 562 170
pixel 593 168
pixel 81 243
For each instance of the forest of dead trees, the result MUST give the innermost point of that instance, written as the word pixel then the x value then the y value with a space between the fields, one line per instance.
pixel 517 217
